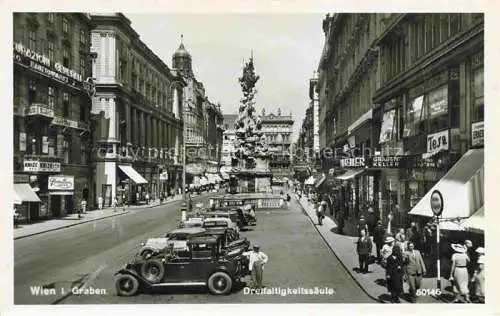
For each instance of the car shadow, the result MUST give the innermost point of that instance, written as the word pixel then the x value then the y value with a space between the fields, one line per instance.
pixel 381 282
pixel 237 287
pixel 246 229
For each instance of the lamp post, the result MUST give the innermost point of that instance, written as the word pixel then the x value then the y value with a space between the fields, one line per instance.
pixel 437 204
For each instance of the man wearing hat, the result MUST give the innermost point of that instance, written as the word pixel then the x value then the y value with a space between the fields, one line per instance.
pixel 387 249
pixel 321 212
pixel 257 260
pixel 414 269
pixel 378 237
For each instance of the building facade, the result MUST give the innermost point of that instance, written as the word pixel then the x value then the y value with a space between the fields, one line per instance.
pixel 278 131
pixel 229 137
pixel 52 64
pixel 138 115
pixel 203 121
pixel 401 100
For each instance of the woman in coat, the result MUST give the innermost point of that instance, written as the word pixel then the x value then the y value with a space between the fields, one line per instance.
pixel 394 274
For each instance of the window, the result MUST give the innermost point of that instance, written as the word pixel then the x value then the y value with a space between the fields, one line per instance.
pixel 82 66
pixel 123 70
pixel 50 49
pixel 32 91
pixel 83 153
pixel 83 37
pixel 478 95
pixel 82 112
pixel 414 117
pixel 66 56
pixel 51 17
pixel 66 149
pixel 32 40
pixel 134 81
pixel 65 104
pixel 51 96
pixel 65 25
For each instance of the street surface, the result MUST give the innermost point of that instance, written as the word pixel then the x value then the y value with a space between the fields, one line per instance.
pixel 88 255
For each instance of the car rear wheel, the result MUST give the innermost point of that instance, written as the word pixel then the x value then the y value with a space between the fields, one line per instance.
pixel 126 285
pixel 146 253
pixel 153 270
pixel 220 283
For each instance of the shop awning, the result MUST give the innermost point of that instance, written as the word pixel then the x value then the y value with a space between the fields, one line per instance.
pixel 365 117
pixel 350 173
pixel 461 187
pixel 320 180
pixel 61 193
pixel 309 181
pixel 24 193
pixel 132 174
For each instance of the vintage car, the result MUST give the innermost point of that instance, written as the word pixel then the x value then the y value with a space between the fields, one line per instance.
pixel 219 222
pixel 205 263
pixel 192 220
pixel 176 240
pixel 235 216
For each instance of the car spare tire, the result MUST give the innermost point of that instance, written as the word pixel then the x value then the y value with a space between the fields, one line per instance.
pixel 220 283
pixel 126 285
pixel 153 270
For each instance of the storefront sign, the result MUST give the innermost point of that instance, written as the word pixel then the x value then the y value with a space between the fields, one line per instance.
pixel 477 130
pixel 65 122
pixel 41 166
pixel 164 176
pixel 437 202
pixel 438 142
pixel 385 162
pixel 22 141
pixel 40 109
pixel 352 162
pixel 61 183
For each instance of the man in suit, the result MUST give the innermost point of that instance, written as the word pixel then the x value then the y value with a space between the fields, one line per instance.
pixel 364 249
pixel 414 269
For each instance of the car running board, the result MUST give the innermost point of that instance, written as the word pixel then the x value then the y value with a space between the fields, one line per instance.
pixel 181 284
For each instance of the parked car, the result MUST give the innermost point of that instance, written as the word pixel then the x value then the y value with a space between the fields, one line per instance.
pixel 219 222
pixel 235 216
pixel 204 264
pixel 176 239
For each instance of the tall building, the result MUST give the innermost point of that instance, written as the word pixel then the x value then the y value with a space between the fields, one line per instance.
pixel 203 121
pixel 314 104
pixel 278 130
pixel 138 110
pixel 52 64
pixel 229 137
pixel 401 102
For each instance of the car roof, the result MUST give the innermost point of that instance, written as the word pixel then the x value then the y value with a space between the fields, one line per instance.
pixel 187 230
pixel 218 219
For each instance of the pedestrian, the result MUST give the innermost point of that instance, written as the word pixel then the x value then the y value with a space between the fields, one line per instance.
pixel 459 274
pixel 370 220
pixel 414 269
pixel 16 218
pixel 400 233
pixel 478 279
pixel 378 238
pixel 362 225
pixel 386 251
pixel 320 213
pixel 100 202
pixel 147 198
pixel 413 235
pixel 190 203
pixel 115 204
pixel 257 260
pixel 364 250
pixel 394 274
pixel 401 242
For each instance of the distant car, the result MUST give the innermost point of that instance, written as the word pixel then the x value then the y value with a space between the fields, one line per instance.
pixel 176 239
pixel 235 216
pixel 219 222
pixel 204 264
pixel 192 221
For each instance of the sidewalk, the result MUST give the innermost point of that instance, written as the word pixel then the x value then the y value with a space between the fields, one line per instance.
pixel 373 283
pixel 26 230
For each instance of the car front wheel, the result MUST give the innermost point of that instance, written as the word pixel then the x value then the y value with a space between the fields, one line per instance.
pixel 126 285
pixel 153 270
pixel 220 283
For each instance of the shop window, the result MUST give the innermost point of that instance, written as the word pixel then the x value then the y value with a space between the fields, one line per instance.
pixel 65 104
pixel 427 113
pixel 414 117
pixel 32 91
pixel 478 95
pixel 51 96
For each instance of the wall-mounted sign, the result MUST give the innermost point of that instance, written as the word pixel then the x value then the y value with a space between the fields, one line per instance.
pixel 65 122
pixel 386 162
pixel 61 183
pixel 41 166
pixel 477 137
pixel 352 162
pixel 39 109
pixel 437 142
pixel 164 176
pixel 437 202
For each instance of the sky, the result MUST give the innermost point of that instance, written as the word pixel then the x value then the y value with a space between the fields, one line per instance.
pixel 286 50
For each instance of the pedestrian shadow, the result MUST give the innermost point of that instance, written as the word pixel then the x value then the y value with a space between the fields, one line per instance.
pixel 381 282
pixel 385 298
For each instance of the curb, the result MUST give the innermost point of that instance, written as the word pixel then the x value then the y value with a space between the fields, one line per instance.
pixel 335 254
pixel 92 220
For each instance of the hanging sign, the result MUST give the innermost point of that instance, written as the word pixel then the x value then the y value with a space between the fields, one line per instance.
pixel 44 166
pixel 477 137
pixel 438 142
pixel 61 183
